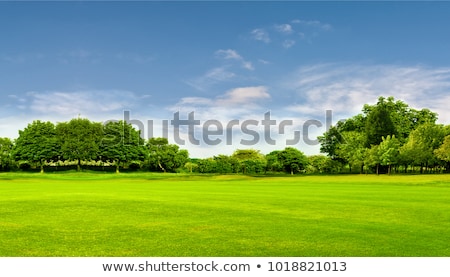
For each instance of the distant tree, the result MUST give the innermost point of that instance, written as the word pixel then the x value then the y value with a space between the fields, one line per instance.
pixel 250 160
pixel 190 166
pixel 443 152
pixel 37 143
pixel 273 162
pixel 331 140
pixel 226 164
pixel 421 143
pixel 165 157
pixel 319 164
pixel 121 143
pixel 6 146
pixel 379 123
pixel 352 149
pixel 372 158
pixel 389 151
pixel 293 160
pixel 79 139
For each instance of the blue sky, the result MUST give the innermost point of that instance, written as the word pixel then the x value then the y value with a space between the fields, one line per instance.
pixel 221 60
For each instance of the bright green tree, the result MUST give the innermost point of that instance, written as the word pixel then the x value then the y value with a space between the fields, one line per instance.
pixel 250 160
pixel 389 151
pixel 6 146
pixel 443 152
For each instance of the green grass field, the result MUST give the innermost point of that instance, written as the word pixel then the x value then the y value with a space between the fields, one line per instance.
pixel 141 215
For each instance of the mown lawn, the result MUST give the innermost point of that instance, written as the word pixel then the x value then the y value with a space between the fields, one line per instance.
pixel 143 215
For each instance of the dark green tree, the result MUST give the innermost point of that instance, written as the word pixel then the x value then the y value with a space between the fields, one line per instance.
pixel 165 157
pixel 37 143
pixel 79 139
pixel 292 160
pixel 121 143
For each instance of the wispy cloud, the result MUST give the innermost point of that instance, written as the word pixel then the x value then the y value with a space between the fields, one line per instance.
pixel 230 54
pixel 260 35
pixel 313 23
pixel 284 28
pixel 211 77
pixel 288 43
pixel 135 58
pixel 64 103
pixel 232 103
pixel 345 88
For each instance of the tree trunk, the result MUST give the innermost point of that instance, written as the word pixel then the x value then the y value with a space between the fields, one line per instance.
pixel 378 169
pixel 79 165
pixel 292 171
pixel 42 167
pixel 117 167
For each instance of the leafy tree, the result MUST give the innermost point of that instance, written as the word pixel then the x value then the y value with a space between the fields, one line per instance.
pixel 6 146
pixel 226 164
pixel 273 162
pixel 331 140
pixel 378 123
pixel 389 151
pixel 250 160
pixel 443 152
pixel 353 149
pixel 37 143
pixel 190 166
pixel 319 164
pixel 421 143
pixel 79 139
pixel 163 156
pixel 373 158
pixel 121 143
pixel 293 160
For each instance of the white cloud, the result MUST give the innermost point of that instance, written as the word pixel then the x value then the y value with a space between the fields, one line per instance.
pixel 62 103
pixel 284 29
pixel 313 23
pixel 211 77
pixel 344 89
pixel 244 95
pixel 288 43
pixel 260 35
pixel 230 54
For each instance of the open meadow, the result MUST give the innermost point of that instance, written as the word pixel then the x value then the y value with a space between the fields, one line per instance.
pixel 152 215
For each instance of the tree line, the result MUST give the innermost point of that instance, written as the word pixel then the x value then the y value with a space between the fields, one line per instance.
pixel 386 137
pixel 389 136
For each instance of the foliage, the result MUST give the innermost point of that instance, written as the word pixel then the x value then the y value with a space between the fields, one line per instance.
pixel 79 139
pixel 121 143
pixel 37 143
pixel 165 157
pixel 6 146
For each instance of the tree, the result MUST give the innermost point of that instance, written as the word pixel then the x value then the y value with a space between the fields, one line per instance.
pixel 250 160
pixel 79 139
pixel 443 152
pixel 121 143
pixel 225 164
pixel 163 156
pixel 389 151
pixel 273 162
pixel 293 160
pixel 378 123
pixel 353 149
pixel 372 158
pixel 421 143
pixel 6 147
pixel 37 143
